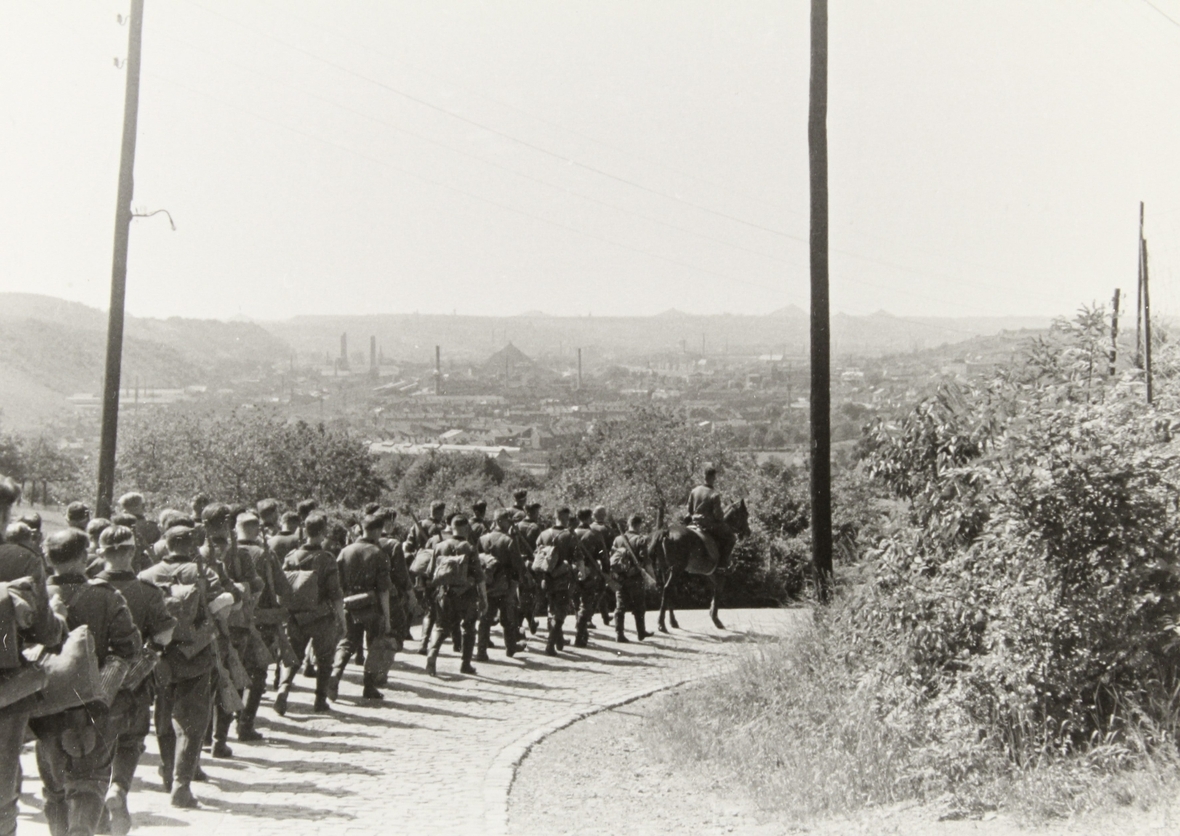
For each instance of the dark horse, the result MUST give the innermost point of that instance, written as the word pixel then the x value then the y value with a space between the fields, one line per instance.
pixel 677 551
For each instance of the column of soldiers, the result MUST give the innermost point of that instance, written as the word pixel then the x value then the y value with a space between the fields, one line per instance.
pixel 215 595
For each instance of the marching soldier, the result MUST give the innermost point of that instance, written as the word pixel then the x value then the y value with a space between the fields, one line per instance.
pixel 519 500
pixel 526 532
pixel 626 564
pixel 287 540
pixel 184 701
pixel 606 601
pixel 146 531
pixel 478 525
pixel 33 520
pixel 503 568
pixel 460 596
pixel 269 615
pixel 588 589
pixel 365 580
pixel 131 712
pixel 77 515
pixel 555 583
pixel 21 569
pixel 75 747
pixel 317 610
pixel 268 514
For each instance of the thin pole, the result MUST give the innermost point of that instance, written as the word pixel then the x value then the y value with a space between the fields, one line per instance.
pixel 1114 331
pixel 579 370
pixel 438 370
pixel 1147 323
pixel 821 430
pixel 1139 297
pixel 114 360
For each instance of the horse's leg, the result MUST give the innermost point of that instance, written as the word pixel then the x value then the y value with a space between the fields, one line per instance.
pixel 716 582
pixel 664 596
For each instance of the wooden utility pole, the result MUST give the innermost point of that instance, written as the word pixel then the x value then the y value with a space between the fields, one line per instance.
pixel 821 397
pixel 1139 296
pixel 1146 322
pixel 1114 331
pixel 114 360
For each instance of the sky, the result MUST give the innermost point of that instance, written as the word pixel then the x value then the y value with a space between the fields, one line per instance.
pixel 604 158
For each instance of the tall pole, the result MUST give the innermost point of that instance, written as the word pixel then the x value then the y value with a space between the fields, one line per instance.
pixel 110 395
pixel 821 429
pixel 1139 297
pixel 1146 323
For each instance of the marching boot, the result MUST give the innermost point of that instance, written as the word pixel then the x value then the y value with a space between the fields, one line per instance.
pixel 432 666
pixel 280 705
pixel 57 817
pixel 334 688
pixel 371 692
pixel 640 627
pixel 620 636
pixel 117 812
pixel 183 797
pixel 167 746
pixel 83 811
pixel 468 646
pixel 221 749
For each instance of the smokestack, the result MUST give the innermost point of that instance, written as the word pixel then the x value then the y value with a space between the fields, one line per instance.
pixel 344 350
pixel 438 370
pixel 372 353
pixel 579 370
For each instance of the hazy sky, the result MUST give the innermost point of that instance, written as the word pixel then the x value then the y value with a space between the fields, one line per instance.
pixel 605 157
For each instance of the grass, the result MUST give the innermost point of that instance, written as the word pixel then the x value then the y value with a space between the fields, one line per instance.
pixel 810 735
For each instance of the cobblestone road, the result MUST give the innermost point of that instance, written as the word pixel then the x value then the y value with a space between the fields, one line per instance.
pixel 430 758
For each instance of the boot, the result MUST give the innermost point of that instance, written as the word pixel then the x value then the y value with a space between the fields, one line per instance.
pixel 167 746
pixel 467 648
pixel 431 666
pixel 620 636
pixel 83 811
pixel 221 750
pixel 57 817
pixel 281 703
pixel 334 688
pixel 371 692
pixel 640 627
pixel 183 797
pixel 550 648
pixel 248 734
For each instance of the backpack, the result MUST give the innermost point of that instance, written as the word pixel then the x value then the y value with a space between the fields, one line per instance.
pixel 544 560
pixel 420 566
pixel 183 603
pixel 491 563
pixel 450 570
pixel 305 590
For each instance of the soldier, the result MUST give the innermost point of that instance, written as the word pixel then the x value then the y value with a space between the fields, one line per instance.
pixel 75 747
pixel 305 508
pixel 399 576
pixel 168 518
pixel 268 513
pixel 555 584
pixel 706 511
pixel 503 566
pixel 77 515
pixel 33 520
pixel 588 588
pixel 365 580
pixel 627 552
pixel 146 531
pixel 236 567
pixel 457 585
pixel 94 530
pixel 287 540
pixel 424 535
pixel 20 568
pixel 478 524
pixel 184 701
pixel 197 505
pixel 526 532
pixel 606 601
pixel 269 614
pixel 519 500
pixel 317 610
pixel 131 712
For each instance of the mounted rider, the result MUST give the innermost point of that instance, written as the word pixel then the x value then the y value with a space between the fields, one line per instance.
pixel 707 513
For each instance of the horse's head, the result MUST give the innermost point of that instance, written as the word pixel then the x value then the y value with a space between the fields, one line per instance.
pixel 738 519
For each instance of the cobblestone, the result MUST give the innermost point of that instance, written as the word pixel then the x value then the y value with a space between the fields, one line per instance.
pixel 437 755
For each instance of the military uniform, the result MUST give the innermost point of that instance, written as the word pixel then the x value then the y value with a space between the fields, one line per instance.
pixel 238 574
pixel 364 570
pixel 528 587
pixel 631 596
pixel 606 596
pixel 75 747
pixel 556 584
pixel 16 564
pixel 503 567
pixel 274 587
pixel 283 544
pixel 456 605
pixel 399 594
pixel 317 626
pixel 131 712
pixel 184 698
pixel 586 591
pixel 426 535
pixel 706 511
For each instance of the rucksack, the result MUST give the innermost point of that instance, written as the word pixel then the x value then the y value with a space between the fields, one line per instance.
pixel 305 590
pixel 544 559
pixel 449 570
pixel 420 566
pixel 183 603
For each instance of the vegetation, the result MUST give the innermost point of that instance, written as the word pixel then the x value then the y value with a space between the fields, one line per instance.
pixel 1012 632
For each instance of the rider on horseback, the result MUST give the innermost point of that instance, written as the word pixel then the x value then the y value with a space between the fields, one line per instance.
pixel 707 513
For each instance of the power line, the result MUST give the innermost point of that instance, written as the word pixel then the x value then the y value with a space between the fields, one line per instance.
pixel 1163 14
pixel 523 142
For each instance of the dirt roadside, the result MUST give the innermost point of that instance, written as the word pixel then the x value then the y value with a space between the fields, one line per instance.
pixel 601 776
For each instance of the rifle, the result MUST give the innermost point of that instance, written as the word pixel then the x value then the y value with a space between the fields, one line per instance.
pixel 635 562
pixel 231 700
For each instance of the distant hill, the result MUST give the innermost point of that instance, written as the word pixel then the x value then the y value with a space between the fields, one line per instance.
pixel 51 349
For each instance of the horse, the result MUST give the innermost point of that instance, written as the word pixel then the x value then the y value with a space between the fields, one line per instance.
pixel 676 551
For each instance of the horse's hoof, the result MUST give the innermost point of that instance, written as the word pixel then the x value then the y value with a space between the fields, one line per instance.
pixel 675 625
pixel 717 623
pixel 663 629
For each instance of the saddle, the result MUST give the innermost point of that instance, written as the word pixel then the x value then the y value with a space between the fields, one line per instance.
pixel 712 549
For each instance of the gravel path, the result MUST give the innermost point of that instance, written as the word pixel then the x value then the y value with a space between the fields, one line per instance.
pixel 437 756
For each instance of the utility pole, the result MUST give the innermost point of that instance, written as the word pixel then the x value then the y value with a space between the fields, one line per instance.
pixel 1146 322
pixel 114 360
pixel 821 396
pixel 1114 331
pixel 1139 297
